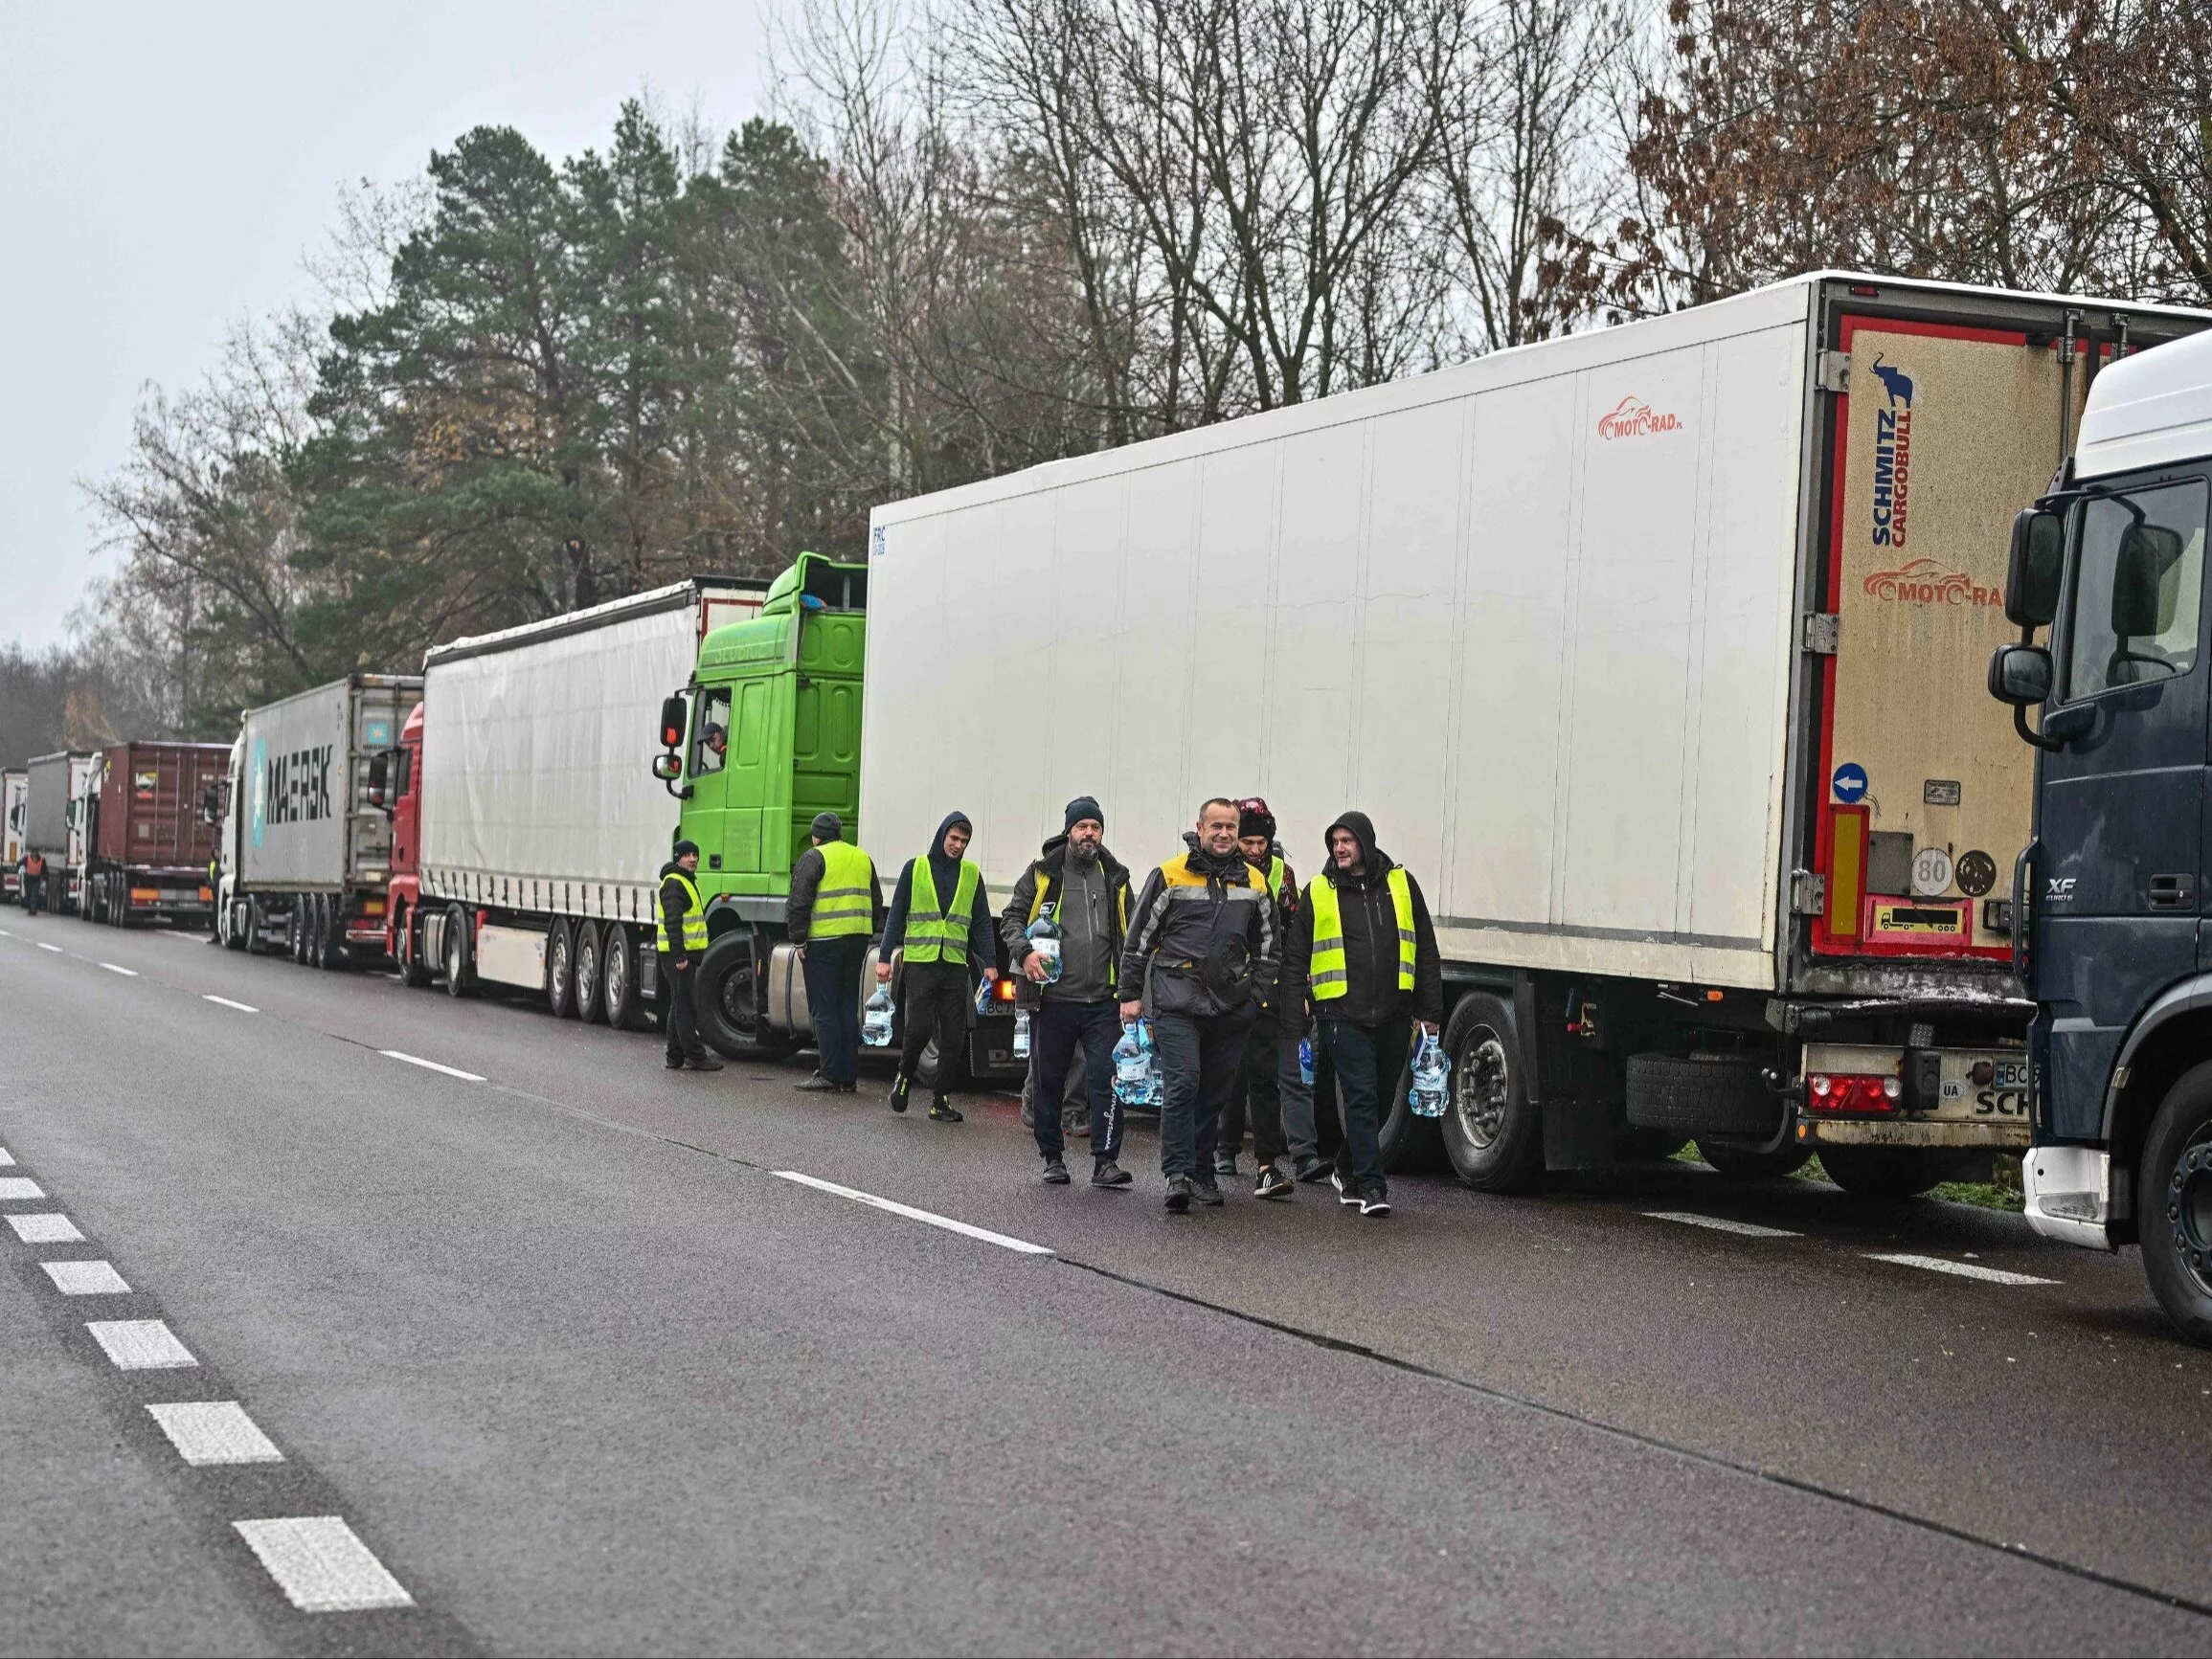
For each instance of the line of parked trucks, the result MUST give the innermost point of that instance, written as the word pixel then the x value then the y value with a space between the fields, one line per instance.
pixel 1657 652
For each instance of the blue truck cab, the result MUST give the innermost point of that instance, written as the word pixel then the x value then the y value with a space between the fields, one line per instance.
pixel 2117 947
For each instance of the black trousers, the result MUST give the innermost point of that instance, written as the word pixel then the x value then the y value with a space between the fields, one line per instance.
pixel 1201 1058
pixel 679 1014
pixel 1062 1028
pixel 1368 1061
pixel 833 1005
pixel 933 996
pixel 1257 1094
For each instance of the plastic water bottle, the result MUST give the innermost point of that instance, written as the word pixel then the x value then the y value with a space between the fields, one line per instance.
pixel 1306 1061
pixel 1154 1086
pixel 1132 1069
pixel 876 1018
pixel 1022 1034
pixel 1044 935
pixel 1432 1079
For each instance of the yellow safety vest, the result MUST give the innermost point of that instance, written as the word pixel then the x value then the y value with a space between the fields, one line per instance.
pixel 1328 975
pixel 1120 906
pixel 933 933
pixel 1275 869
pixel 845 904
pixel 694 918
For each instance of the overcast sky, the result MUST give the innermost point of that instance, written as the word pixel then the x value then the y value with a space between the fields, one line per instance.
pixel 163 168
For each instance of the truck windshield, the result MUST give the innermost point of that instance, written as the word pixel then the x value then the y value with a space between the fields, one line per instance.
pixel 2138 577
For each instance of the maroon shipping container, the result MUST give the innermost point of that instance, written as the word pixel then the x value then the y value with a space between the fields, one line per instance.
pixel 151 843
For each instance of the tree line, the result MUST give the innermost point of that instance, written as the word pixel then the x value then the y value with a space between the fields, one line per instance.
pixel 1012 231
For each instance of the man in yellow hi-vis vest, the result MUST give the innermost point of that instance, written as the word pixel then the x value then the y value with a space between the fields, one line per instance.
pixel 829 913
pixel 1361 962
pixel 679 941
pixel 940 917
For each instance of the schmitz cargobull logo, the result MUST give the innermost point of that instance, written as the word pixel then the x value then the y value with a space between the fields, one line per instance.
pixel 1892 454
pixel 1633 417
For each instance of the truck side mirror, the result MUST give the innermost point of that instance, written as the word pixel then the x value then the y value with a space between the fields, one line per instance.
pixel 668 768
pixel 2035 567
pixel 675 717
pixel 2020 675
pixel 212 804
pixel 379 777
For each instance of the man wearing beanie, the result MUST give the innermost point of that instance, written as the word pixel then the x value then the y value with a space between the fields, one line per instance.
pixel 1272 1091
pixel 680 941
pixel 1077 883
pixel 831 915
pixel 940 917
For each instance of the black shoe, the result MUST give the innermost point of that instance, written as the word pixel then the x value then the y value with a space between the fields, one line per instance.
pixel 1224 1164
pixel 1055 1171
pixel 816 1084
pixel 1208 1191
pixel 942 1111
pixel 1345 1195
pixel 1106 1173
pixel 704 1062
pixel 675 1063
pixel 1377 1204
pixel 1180 1189
pixel 848 1089
pixel 899 1093
pixel 1270 1185
pixel 1309 1168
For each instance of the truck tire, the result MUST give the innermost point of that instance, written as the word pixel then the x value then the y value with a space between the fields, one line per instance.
pixel 1701 1095
pixel 560 970
pixel 619 978
pixel 1734 1164
pixel 256 928
pixel 295 930
pixel 408 931
pixel 241 918
pixel 2175 1209
pixel 726 994
pixel 591 983
pixel 1882 1174
pixel 318 931
pixel 1493 1132
pixel 459 977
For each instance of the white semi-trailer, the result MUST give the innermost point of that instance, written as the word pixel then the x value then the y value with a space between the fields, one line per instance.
pixel 1656 653
pixel 14 796
pixel 55 818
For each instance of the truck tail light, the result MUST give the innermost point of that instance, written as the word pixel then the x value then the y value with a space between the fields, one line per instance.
pixel 1005 991
pixel 146 896
pixel 371 906
pixel 1834 1092
pixel 207 895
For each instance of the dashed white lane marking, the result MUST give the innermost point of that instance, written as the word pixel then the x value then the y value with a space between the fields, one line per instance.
pixel 6 1159
pixel 429 1065
pixel 127 972
pixel 141 1344
pixel 21 1187
pixel 46 1229
pixel 1964 1269
pixel 56 949
pixel 212 1431
pixel 914 1215
pixel 225 1001
pixel 86 1278
pixel 321 1566
pixel 1719 1225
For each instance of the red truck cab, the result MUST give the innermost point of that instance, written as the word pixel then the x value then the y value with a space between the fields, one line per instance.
pixel 400 791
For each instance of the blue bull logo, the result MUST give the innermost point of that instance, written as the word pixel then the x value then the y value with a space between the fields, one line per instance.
pixel 1896 382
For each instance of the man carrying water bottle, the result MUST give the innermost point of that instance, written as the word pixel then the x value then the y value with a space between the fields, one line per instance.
pixel 1361 957
pixel 941 918
pixel 1202 925
pixel 1084 890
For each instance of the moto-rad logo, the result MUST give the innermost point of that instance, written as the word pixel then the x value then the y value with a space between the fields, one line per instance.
pixel 1892 454
pixel 1633 417
pixel 1926 582
pixel 296 788
pixel 2058 887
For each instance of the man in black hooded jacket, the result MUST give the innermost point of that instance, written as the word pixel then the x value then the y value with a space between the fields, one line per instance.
pixel 941 916
pixel 1362 959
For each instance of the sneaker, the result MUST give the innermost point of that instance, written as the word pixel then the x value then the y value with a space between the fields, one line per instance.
pixel 899 1093
pixel 704 1062
pixel 1271 1184
pixel 816 1084
pixel 1309 1168
pixel 1106 1173
pixel 942 1111
pixel 1374 1204
pixel 675 1063
pixel 1180 1189
pixel 1208 1191
pixel 1344 1194
pixel 1055 1171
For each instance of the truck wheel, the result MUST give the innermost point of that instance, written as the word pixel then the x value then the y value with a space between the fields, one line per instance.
pixel 619 976
pixel 256 928
pixel 1734 1164
pixel 2176 1204
pixel 1881 1175
pixel 1701 1095
pixel 1493 1132
pixel 560 970
pixel 409 934
pixel 318 931
pixel 591 983
pixel 458 980
pixel 725 992
pixel 295 930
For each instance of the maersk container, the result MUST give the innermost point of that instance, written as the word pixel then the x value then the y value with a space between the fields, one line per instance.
pixel 1655 652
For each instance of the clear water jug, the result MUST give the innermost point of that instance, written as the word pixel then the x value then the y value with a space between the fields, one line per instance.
pixel 1022 1034
pixel 1154 1085
pixel 1132 1068
pixel 875 1019
pixel 1432 1087
pixel 1044 936
pixel 1306 1061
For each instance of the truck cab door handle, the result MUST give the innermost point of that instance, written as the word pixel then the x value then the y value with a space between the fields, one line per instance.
pixel 2173 892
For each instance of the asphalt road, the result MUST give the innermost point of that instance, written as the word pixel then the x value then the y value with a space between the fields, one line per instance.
pixel 553 1350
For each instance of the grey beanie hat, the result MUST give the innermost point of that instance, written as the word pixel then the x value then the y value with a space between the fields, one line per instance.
pixel 828 825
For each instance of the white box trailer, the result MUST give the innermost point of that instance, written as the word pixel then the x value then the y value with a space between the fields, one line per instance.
pixel 542 828
pixel 1656 653
pixel 15 793
pixel 304 854
pixel 55 818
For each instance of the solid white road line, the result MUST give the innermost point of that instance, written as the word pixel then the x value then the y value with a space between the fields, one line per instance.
pixel 86 1278
pixel 1744 1228
pixel 225 1001
pixel 46 1229
pixel 141 1344
pixel 429 1065
pixel 127 972
pixel 1964 1269
pixel 321 1566
pixel 209 1431
pixel 914 1215
pixel 56 949
pixel 21 1187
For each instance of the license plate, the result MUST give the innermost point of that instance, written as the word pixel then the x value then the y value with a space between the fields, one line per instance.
pixel 2003 1097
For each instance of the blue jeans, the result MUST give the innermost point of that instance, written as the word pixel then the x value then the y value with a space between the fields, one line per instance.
pixel 1368 1061
pixel 1201 1058
pixel 1059 1028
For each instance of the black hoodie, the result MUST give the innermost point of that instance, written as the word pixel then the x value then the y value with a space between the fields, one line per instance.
pixel 1371 994
pixel 945 877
